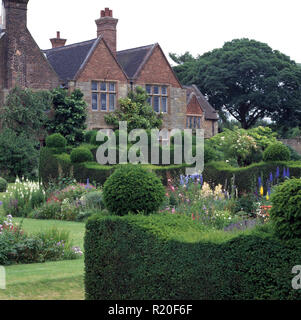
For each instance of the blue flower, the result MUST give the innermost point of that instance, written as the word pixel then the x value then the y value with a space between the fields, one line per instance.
pixel 259 181
pixel 271 177
pixel 288 172
pixel 277 173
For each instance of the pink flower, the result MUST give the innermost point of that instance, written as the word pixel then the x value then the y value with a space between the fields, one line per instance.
pixel 173 210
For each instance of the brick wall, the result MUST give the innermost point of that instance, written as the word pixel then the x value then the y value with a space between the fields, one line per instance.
pixel 26 65
pixel 295 143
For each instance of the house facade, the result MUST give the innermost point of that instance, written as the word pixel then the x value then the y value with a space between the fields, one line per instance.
pixel 99 70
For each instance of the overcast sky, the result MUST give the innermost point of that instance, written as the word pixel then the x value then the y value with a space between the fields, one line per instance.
pixel 197 26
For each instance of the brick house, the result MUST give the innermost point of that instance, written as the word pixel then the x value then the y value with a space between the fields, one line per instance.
pixel 101 72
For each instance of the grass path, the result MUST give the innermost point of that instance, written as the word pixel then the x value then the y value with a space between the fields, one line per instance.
pixel 61 280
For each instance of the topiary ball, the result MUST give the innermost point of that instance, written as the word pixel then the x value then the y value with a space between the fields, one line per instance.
pixel 81 154
pixel 56 140
pixel 131 188
pixel 3 185
pixel 286 209
pixel 276 152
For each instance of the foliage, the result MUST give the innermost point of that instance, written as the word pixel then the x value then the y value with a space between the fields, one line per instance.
pixel 276 152
pixel 81 154
pixel 167 257
pixel 93 200
pixel 56 140
pixel 135 110
pixel 3 185
pixel 286 209
pixel 132 188
pixel 248 80
pixel 18 155
pixel 88 134
pixel 23 197
pixel 18 247
pixel 70 114
pixel 25 112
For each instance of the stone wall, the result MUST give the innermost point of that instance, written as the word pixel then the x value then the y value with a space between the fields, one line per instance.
pixel 295 143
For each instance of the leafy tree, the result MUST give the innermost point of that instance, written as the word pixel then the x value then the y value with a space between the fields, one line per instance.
pixel 18 155
pixel 70 114
pixel 136 111
pixel 25 113
pixel 180 59
pixel 248 80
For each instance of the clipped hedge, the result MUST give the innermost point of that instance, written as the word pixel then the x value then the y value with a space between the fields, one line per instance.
pixel 53 165
pixel 246 177
pixel 81 154
pixel 276 152
pixel 154 258
pixel 56 140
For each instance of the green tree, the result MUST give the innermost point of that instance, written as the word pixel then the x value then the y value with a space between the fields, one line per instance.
pixel 25 112
pixel 136 111
pixel 248 80
pixel 18 155
pixel 70 114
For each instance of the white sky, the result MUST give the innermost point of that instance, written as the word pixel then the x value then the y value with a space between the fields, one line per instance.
pixel 197 26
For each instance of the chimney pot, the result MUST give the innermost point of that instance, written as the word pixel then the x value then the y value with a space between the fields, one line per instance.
pixel 106 27
pixel 58 42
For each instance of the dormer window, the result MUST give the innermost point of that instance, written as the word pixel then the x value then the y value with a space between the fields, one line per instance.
pixel 157 97
pixel 103 96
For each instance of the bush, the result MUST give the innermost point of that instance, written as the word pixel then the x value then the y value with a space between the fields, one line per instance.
pixel 88 134
pixel 56 140
pixel 286 209
pixel 93 200
pixel 80 155
pixel 276 152
pixel 132 188
pixel 49 211
pixel 163 257
pixel 3 185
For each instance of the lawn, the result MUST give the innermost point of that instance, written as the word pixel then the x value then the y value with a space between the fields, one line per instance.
pixel 61 280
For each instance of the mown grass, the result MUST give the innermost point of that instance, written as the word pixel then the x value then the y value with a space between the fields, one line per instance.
pixel 60 280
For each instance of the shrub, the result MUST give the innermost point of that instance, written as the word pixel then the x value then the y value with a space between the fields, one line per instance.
pixel 48 211
pixel 80 155
pixel 3 185
pixel 276 152
pixel 88 135
pixel 132 188
pixel 93 200
pixel 286 209
pixel 56 140
pixel 93 137
pixel 168 257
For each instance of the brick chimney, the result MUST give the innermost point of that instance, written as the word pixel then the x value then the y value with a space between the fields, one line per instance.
pixel 14 14
pixel 58 42
pixel 106 27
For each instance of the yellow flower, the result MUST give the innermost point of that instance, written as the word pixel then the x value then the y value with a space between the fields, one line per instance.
pixel 267 197
pixel 261 190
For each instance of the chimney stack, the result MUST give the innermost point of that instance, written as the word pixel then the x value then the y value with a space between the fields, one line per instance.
pixel 14 14
pixel 106 27
pixel 58 42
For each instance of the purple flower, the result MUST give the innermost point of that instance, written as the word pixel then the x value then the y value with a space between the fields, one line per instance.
pixel 277 173
pixel 284 173
pixel 259 181
pixel 201 179
pixel 271 177
pixel 288 172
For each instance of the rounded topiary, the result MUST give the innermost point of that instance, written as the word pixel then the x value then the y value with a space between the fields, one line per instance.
pixel 56 140
pixel 134 189
pixel 3 185
pixel 93 138
pixel 88 135
pixel 286 209
pixel 276 152
pixel 81 154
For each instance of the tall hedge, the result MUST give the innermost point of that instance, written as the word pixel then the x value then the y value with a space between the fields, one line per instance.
pixel 246 177
pixel 154 258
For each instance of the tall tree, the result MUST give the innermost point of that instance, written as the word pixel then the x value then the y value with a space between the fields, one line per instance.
pixel 248 80
pixel 70 114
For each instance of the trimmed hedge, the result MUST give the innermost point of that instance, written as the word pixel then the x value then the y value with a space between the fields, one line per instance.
pixel 153 258
pixel 276 152
pixel 133 189
pixel 53 165
pixel 81 154
pixel 246 177
pixel 56 140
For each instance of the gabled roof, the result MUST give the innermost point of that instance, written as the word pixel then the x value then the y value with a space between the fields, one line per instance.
pixel 210 112
pixel 132 60
pixel 67 60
